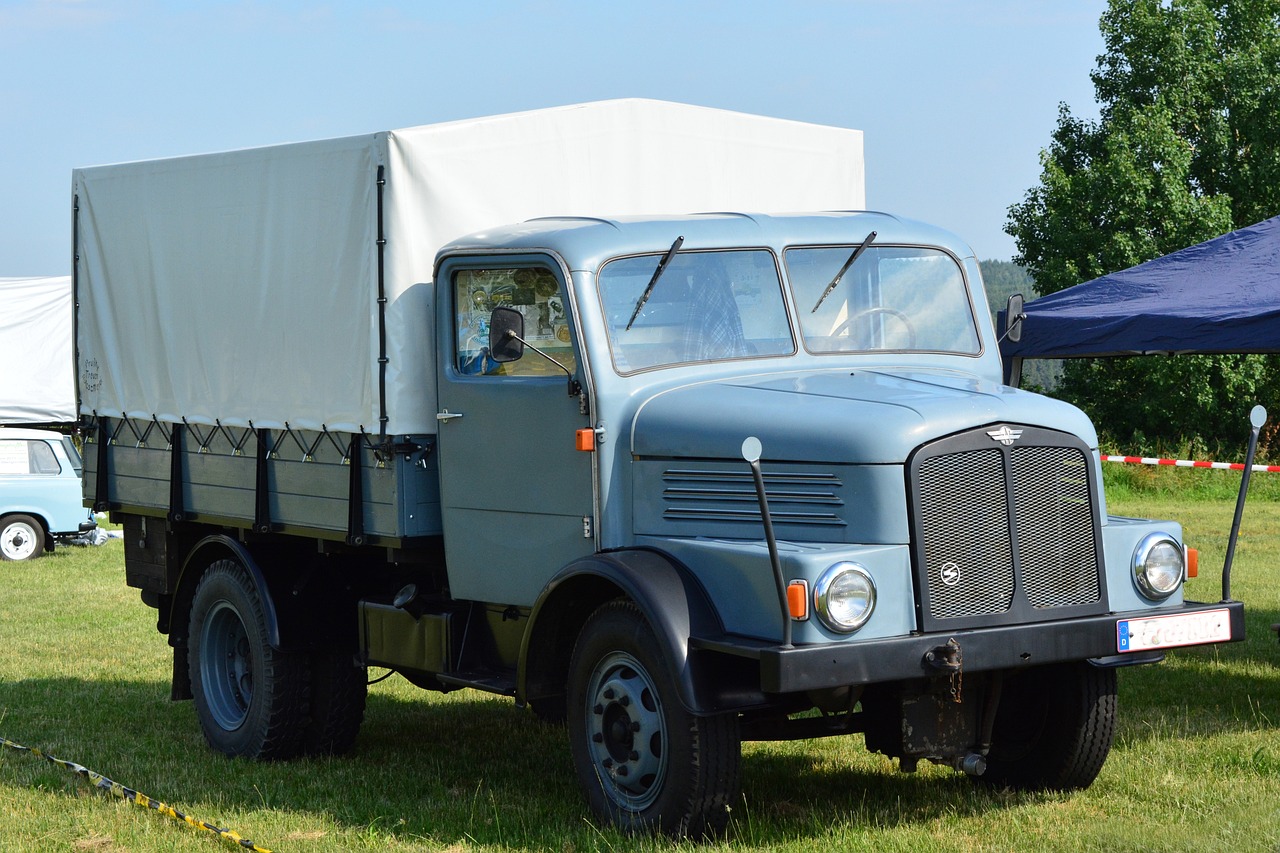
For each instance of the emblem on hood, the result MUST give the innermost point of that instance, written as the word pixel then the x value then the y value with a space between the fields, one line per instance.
pixel 1004 435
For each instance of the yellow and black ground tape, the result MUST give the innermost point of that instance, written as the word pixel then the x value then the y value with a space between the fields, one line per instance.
pixel 138 799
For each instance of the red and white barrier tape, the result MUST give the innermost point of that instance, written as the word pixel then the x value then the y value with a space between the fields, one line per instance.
pixel 1187 463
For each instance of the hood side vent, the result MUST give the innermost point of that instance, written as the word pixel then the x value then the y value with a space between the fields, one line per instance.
pixel 794 498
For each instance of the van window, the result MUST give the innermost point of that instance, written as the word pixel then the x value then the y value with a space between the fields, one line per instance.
pixel 73 453
pixel 19 456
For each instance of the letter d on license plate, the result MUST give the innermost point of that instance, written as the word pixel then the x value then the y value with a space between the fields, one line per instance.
pixel 1163 632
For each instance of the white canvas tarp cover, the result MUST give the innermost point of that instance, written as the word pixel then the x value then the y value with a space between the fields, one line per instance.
pixel 37 367
pixel 242 287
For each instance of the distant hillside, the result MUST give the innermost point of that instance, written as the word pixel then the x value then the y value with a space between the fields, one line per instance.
pixel 1002 279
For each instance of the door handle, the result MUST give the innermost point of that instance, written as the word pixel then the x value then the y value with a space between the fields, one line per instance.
pixel 447 415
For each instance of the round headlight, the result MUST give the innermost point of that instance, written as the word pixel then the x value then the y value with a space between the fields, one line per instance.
pixel 844 597
pixel 1158 566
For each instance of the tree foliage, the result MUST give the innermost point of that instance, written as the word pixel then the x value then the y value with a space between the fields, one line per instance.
pixel 1000 280
pixel 1186 147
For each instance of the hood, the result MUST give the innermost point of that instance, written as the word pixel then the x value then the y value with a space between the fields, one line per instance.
pixel 860 416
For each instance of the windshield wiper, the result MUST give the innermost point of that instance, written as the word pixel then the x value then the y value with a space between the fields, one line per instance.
pixel 844 269
pixel 662 265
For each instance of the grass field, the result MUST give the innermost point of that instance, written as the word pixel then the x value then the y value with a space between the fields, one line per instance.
pixel 84 676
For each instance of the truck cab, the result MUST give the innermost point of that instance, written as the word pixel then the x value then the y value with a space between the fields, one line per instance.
pixel 929 560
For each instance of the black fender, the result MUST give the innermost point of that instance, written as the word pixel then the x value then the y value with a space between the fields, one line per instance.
pixel 205 553
pixel 305 606
pixel 675 606
pixel 174 620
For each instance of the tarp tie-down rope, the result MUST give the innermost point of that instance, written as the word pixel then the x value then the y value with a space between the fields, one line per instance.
pixel 139 799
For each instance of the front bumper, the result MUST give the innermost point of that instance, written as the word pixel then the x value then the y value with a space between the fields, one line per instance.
pixel 791 670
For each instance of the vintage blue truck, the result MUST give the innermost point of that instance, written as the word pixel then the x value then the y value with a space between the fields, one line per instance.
pixel 686 479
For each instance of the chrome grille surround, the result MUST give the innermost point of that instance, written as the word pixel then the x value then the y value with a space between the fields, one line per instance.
pixel 1005 531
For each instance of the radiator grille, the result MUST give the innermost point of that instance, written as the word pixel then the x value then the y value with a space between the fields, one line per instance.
pixel 977 558
pixel 1054 518
pixel 962 504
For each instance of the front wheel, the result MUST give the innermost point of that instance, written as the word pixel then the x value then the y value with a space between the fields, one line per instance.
pixel 646 764
pixel 251 699
pixel 21 538
pixel 1053 729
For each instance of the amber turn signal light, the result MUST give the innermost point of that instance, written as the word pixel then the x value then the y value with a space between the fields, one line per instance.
pixel 798 600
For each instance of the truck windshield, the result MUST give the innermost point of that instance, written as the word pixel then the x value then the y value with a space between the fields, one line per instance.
pixel 900 299
pixel 707 306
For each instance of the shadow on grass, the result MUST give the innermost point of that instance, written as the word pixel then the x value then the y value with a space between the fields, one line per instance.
pixel 467 768
pixel 458 769
pixel 1231 688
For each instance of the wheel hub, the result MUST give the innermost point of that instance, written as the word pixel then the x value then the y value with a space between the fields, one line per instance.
pixel 19 542
pixel 227 662
pixel 626 731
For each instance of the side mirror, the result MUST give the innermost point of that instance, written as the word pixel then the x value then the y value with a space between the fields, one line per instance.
pixel 506 335
pixel 1013 317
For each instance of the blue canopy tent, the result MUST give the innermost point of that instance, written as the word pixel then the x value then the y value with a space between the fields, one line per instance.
pixel 1220 296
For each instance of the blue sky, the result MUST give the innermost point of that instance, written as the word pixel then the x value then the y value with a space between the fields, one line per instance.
pixel 956 99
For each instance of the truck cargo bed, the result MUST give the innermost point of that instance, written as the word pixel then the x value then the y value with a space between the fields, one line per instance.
pixel 293 481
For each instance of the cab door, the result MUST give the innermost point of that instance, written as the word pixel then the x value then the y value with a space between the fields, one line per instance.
pixel 517 497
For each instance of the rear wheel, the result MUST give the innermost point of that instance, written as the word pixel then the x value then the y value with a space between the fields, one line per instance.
pixel 338 692
pixel 251 699
pixel 1053 729
pixel 646 764
pixel 21 538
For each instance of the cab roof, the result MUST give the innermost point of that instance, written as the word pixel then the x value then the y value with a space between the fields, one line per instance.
pixel 587 242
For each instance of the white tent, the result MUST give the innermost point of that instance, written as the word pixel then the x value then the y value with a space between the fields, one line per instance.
pixel 242 286
pixel 37 367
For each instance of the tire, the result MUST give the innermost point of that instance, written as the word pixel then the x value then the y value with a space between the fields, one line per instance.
pixel 1053 729
pixel 21 538
pixel 646 764
pixel 338 692
pixel 251 699
pixel 550 710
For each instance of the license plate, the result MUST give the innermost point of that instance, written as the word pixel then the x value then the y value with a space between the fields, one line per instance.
pixel 1164 632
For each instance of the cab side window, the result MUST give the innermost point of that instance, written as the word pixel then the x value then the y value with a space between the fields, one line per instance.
pixel 535 293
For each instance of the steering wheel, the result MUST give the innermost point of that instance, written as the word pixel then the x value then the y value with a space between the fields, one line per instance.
pixel 892 312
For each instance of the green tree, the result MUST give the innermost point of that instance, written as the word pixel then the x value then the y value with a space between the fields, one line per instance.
pixel 1186 147
pixel 1002 279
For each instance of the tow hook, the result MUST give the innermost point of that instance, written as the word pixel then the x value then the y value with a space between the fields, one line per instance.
pixel 948 659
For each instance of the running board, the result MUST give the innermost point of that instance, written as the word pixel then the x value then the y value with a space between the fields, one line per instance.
pixel 503 683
